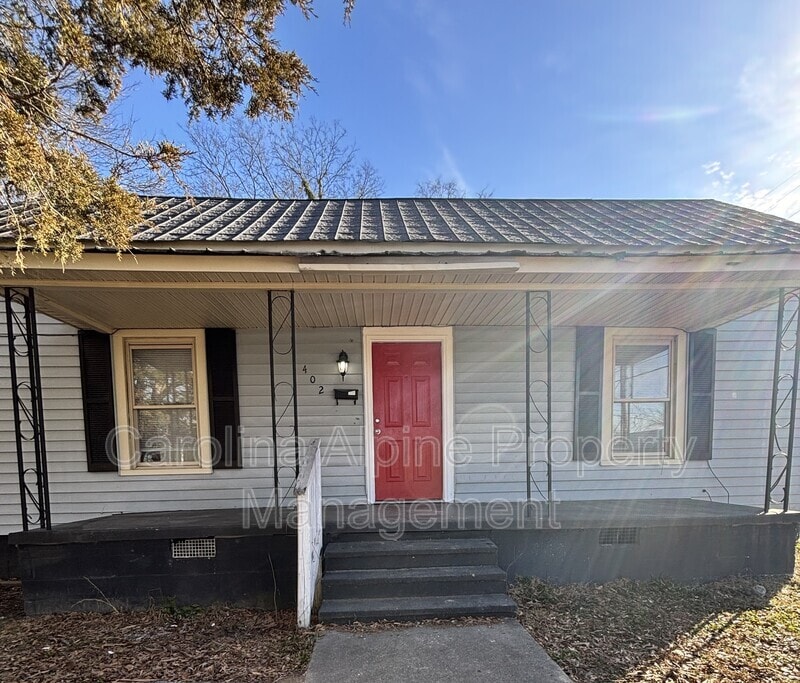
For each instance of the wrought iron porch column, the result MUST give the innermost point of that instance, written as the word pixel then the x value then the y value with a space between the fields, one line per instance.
pixel 783 408
pixel 26 397
pixel 538 380
pixel 283 393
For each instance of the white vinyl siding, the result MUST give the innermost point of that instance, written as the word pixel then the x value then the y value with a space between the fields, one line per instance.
pixel 489 394
pixel 339 428
pixel 745 350
pixel 490 411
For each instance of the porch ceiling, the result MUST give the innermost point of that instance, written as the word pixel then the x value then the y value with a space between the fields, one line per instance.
pixel 109 309
pixel 168 291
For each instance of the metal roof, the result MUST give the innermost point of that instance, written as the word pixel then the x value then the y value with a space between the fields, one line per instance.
pixel 576 222
pixel 567 222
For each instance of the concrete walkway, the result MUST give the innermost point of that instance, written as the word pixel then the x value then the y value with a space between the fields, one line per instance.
pixel 499 653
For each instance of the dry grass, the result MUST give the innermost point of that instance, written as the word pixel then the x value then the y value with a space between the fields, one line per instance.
pixel 664 631
pixel 219 644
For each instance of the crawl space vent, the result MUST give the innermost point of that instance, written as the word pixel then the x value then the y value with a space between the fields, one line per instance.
pixel 191 548
pixel 626 535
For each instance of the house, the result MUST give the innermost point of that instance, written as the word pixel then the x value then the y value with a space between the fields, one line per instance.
pixel 443 393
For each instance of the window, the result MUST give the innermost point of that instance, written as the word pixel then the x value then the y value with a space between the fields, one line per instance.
pixel 161 398
pixel 644 396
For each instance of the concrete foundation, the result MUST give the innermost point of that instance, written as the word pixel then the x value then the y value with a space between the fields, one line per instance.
pixel 127 561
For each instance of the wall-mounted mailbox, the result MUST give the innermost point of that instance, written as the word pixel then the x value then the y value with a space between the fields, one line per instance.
pixel 346 395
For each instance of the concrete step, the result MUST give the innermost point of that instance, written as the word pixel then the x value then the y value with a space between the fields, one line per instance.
pixel 413 581
pixel 443 552
pixel 403 534
pixel 414 608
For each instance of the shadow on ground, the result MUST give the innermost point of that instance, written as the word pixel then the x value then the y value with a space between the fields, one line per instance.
pixel 738 629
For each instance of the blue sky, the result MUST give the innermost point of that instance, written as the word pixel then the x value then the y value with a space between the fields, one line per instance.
pixel 562 98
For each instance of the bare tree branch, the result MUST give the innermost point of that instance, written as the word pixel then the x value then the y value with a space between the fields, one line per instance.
pixel 246 158
pixel 447 188
pixel 66 168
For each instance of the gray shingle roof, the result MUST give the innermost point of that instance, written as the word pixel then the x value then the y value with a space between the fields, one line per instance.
pixel 568 222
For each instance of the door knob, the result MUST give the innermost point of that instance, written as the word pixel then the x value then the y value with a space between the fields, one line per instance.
pixel 377 431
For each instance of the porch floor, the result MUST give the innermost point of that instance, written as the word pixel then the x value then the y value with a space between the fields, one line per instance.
pixel 589 514
pixel 130 526
pixel 420 516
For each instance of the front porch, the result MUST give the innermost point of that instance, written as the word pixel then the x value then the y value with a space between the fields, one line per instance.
pixel 514 323
pixel 249 557
pixel 514 371
pixel 396 517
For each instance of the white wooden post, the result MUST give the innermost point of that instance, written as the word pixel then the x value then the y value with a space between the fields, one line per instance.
pixel 309 532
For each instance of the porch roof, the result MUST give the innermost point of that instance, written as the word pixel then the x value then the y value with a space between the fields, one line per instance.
pixel 569 222
pixel 175 291
pixel 108 300
pixel 456 225
pixel 688 264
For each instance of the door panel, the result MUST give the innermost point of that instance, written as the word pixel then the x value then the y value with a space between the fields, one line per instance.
pixel 407 410
pixel 393 400
pixel 421 401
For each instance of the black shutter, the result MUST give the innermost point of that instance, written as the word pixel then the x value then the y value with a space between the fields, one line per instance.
pixel 223 396
pixel 589 342
pixel 700 408
pixel 97 388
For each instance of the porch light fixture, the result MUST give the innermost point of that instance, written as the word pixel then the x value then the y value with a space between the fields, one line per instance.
pixel 342 363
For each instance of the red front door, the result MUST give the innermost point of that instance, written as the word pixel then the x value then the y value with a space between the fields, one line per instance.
pixel 407 420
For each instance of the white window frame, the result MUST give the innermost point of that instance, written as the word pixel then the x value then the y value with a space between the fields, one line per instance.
pixel 121 343
pixel 678 399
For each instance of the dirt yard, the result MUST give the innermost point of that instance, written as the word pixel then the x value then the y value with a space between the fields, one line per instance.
pixel 737 630
pixel 170 644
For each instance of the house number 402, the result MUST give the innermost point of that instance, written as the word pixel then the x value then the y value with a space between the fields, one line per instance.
pixel 313 379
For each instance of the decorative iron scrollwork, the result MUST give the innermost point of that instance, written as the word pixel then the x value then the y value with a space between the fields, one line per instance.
pixel 538 385
pixel 283 391
pixel 26 396
pixel 783 412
